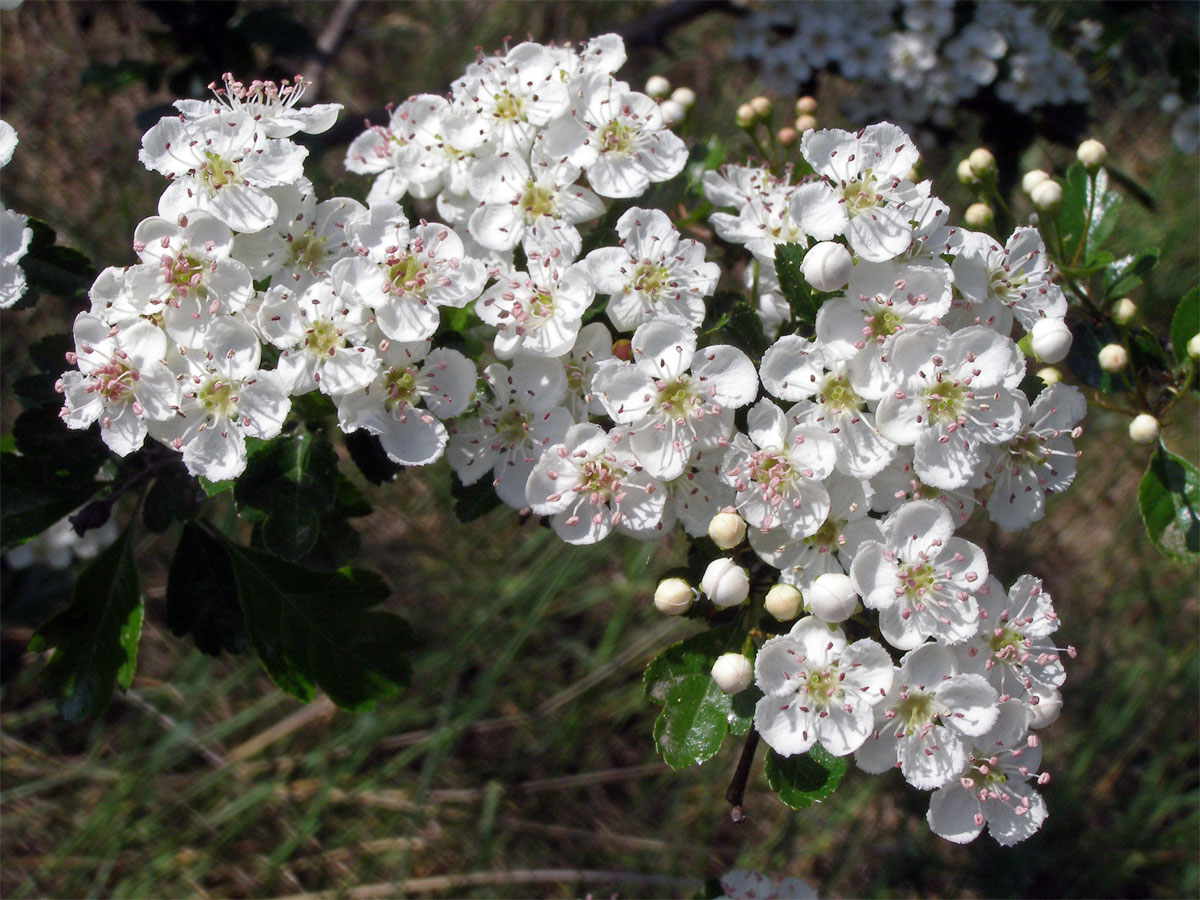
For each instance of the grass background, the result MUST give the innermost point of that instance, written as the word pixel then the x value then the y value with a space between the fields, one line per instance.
pixel 520 763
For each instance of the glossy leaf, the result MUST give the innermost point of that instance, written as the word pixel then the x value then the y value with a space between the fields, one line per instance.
pixel 1169 499
pixel 202 594
pixel 94 640
pixel 693 722
pixel 795 287
pixel 806 778
pixel 1185 323
pixel 1123 275
pixel 694 655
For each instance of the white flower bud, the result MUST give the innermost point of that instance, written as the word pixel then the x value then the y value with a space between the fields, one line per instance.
pixel 806 123
pixel 827 266
pixel 1049 375
pixel 786 136
pixel 761 106
pixel 982 162
pixel 1144 429
pixel 732 672
pixel 673 113
pixel 744 115
pixel 1092 154
pixel 832 598
pixel 1123 311
pixel 1193 347
pixel 727 530
pixel 965 174
pixel 1050 340
pixel 673 596
pixel 783 602
pixel 726 583
pixel 1032 179
pixel 657 87
pixel 684 96
pixel 806 106
pixel 1047 195
pixel 1113 357
pixel 979 215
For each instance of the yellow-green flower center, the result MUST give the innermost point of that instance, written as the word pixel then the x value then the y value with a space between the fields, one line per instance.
pixel 945 402
pixel 323 338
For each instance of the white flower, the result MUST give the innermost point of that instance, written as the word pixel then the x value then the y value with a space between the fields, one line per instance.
pixel 699 493
pixel 403 404
pixel 591 483
pixel 920 578
pixel 992 788
pixel 1016 276
pixel 673 412
pixel 818 688
pixel 220 165
pixel 763 201
pixel 741 884
pixel 593 345
pixel 15 237
pixel 921 724
pixel 273 106
pixel 122 381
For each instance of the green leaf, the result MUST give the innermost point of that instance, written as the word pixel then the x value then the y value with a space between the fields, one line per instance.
pixel 316 629
pixel 370 457
pixel 1104 206
pixel 1169 498
pixel 1185 323
pixel 806 778
pixel 287 485
pixel 1122 275
pixel 693 722
pixel 473 501
pixel 34 495
pixel 172 496
pixel 795 288
pixel 61 271
pixel 202 595
pixel 1072 212
pixel 41 434
pixel 214 488
pixel 693 655
pixel 94 640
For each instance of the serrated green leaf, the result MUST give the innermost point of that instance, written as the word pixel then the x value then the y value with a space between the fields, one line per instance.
pixel 1072 212
pixel 94 640
pixel 202 594
pixel 693 722
pixel 1185 323
pixel 795 287
pixel 287 485
pixel 1104 205
pixel 693 655
pixel 1122 275
pixel 317 629
pixel 34 494
pixel 1169 499
pixel 806 778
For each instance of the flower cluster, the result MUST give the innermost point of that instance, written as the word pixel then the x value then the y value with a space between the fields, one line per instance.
pixel 915 60
pixel 865 447
pixel 15 234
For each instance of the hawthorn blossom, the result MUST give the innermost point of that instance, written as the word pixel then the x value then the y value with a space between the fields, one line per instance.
pixel 273 106
pixel 818 688
pixel 1015 277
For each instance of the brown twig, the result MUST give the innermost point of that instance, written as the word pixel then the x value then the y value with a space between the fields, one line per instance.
pixel 737 785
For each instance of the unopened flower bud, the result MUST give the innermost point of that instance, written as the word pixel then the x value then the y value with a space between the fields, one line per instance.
pixel 806 123
pixel 623 350
pixel 673 113
pixel 1123 311
pixel 982 162
pixel 1047 195
pixel 1092 154
pixel 832 597
pixel 726 583
pixel 744 115
pixel 1032 179
pixel 684 96
pixel 783 602
pixel 1050 340
pixel 1113 357
pixel 827 266
pixel 806 106
pixel 732 672
pixel 727 530
pixel 657 86
pixel 979 215
pixel 786 136
pixel 1144 429
pixel 673 596
pixel 965 174
pixel 1049 375
pixel 1193 347
pixel 761 106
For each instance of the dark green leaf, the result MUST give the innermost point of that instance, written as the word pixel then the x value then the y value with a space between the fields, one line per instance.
pixel 349 501
pixel 694 655
pixel 202 594
pixel 316 629
pixel 50 353
pixel 806 778
pixel 1072 213
pixel 313 407
pixel 287 485
pixel 34 495
pixel 1146 354
pixel 1122 275
pixel 172 496
pixel 1185 323
pixel 61 271
pixel 370 457
pixel 338 543
pixel 94 640
pixel 213 488
pixel 1169 498
pixel 796 289
pixel 693 722
pixel 741 713
pixel 473 501
pixel 745 331
pixel 1105 205
pixel 1082 359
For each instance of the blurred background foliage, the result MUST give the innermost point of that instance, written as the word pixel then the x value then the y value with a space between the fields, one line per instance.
pixel 521 763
